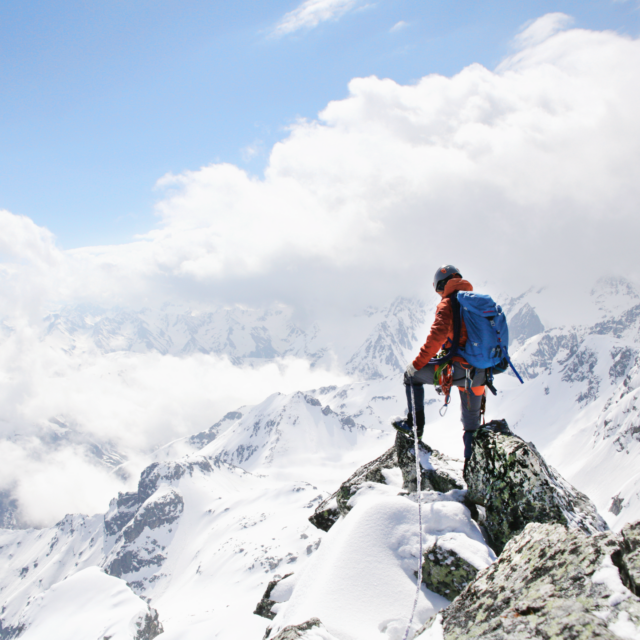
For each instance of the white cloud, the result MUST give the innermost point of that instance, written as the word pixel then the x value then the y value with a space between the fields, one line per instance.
pixel 537 31
pixel 534 160
pixel 398 26
pixel 311 13
pixel 252 150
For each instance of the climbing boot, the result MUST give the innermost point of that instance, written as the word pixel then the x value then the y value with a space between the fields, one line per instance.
pixel 420 420
pixel 404 426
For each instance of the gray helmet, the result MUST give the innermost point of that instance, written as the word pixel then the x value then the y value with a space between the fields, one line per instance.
pixel 443 274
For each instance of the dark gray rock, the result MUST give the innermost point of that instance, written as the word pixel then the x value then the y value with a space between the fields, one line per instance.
pixel 163 511
pixel 124 508
pixel 149 627
pixel 326 514
pixel 168 472
pixel 121 511
pixel 438 472
pixel 202 439
pixel 133 551
pixel 616 505
pixel 133 521
pixel 9 632
pixel 509 478
pixel 551 347
pixel 129 561
pixel 263 607
pixel 550 582
pixel 619 325
pixel 623 359
pixel 444 572
pixel 296 631
pixel 628 560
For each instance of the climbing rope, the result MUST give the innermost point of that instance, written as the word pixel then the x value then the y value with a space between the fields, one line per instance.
pixel 418 489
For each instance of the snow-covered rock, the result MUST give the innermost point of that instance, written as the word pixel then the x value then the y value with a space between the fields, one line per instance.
pixel 361 583
pixel 264 608
pixel 396 467
pixel 445 572
pixel 549 582
pixel 438 471
pixel 337 504
pixel 199 540
pixel 368 562
pixel 310 630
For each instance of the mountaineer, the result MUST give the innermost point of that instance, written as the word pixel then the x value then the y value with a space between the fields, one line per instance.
pixel 444 372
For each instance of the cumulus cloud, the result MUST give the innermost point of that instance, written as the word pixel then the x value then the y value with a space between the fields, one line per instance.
pixel 311 13
pixel 531 165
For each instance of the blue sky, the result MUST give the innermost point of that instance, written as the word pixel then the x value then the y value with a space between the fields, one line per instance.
pixel 101 99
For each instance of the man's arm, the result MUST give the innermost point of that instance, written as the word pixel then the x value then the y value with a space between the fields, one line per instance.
pixel 440 329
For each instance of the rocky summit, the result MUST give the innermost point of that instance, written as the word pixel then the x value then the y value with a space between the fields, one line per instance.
pixel 549 582
pixel 512 485
pixel 559 573
pixel 439 473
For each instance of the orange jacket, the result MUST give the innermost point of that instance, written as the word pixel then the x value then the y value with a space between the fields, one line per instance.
pixel 442 327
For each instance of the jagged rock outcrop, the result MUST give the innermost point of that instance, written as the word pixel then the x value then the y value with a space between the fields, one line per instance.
pixel 446 573
pixel 135 551
pixel 142 523
pixel 263 608
pixel 439 473
pixel 628 561
pixel 124 508
pixel 301 631
pixel 149 627
pixel 509 479
pixel 549 582
pixel 336 505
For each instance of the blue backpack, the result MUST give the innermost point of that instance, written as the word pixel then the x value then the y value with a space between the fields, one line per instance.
pixel 487 334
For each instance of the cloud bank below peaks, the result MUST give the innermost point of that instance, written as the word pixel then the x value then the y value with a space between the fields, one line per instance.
pixel 522 175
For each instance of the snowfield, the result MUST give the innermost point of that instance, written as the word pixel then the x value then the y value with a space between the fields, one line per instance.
pixel 218 514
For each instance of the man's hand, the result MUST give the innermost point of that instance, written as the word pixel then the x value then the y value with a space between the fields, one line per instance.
pixel 411 370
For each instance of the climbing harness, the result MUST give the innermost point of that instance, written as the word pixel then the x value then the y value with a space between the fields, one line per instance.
pixel 443 378
pixel 419 491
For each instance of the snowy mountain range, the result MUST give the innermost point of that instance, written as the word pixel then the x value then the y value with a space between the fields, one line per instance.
pixel 217 515
pixel 244 335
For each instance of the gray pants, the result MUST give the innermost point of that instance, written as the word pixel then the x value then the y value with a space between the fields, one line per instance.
pixel 470 404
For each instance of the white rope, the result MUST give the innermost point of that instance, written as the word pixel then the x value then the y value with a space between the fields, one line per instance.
pixel 418 489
